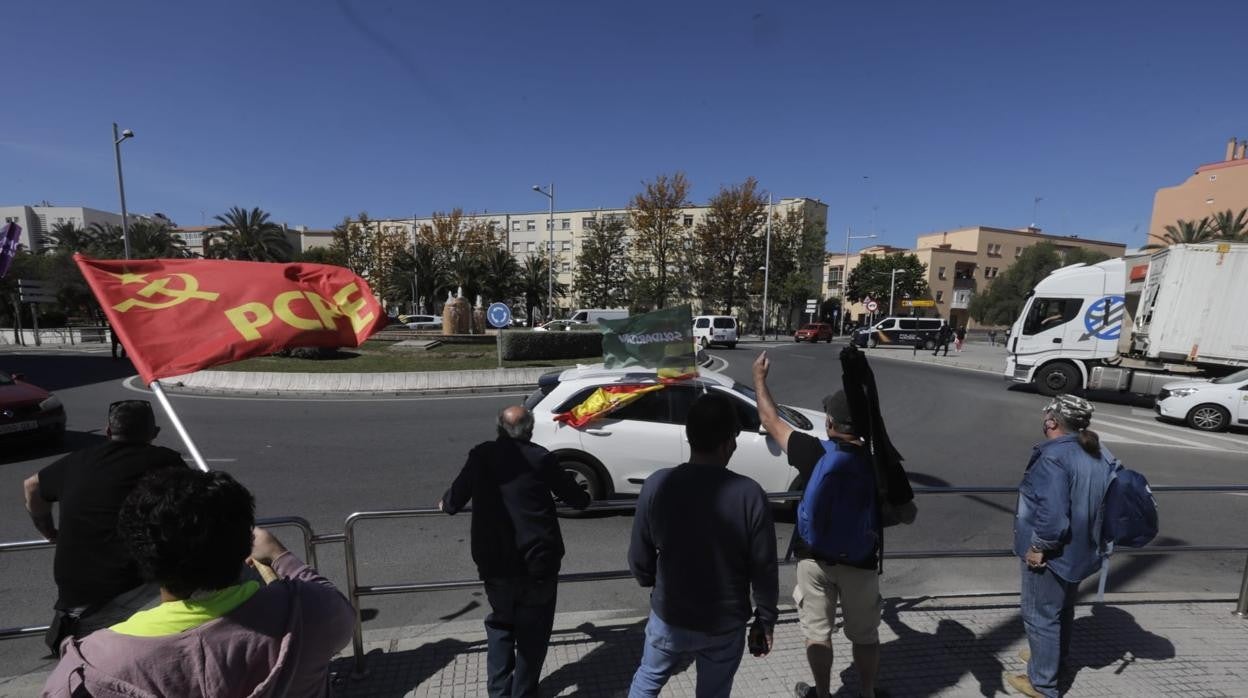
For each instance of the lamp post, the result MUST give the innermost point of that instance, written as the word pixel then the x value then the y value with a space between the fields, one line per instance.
pixel 550 251
pixel 121 187
pixel 415 272
pixel 767 268
pixel 892 287
pixel 845 269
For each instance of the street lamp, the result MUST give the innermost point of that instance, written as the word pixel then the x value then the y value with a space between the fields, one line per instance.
pixel 845 269
pixel 121 187
pixel 415 271
pixel 892 286
pixel 767 268
pixel 550 251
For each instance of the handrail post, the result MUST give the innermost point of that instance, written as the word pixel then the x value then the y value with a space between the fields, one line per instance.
pixel 1241 609
pixel 357 631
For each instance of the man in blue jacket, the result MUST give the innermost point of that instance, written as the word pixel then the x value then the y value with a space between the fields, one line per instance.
pixel 1057 536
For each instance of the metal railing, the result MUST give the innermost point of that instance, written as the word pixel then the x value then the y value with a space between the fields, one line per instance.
pixel 355 590
pixel 305 529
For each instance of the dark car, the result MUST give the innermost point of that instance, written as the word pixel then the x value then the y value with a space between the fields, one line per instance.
pixel 28 411
pixel 813 332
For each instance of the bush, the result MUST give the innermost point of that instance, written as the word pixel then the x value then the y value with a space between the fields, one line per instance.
pixel 309 353
pixel 524 345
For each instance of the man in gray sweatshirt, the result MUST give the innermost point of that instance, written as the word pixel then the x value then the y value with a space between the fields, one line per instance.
pixel 214 634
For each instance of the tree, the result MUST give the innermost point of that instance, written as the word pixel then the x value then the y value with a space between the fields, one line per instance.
pixel 68 237
pixel 873 278
pixel 320 255
pixel 154 240
pixel 369 248
pixel 601 279
pixel 500 276
pixel 105 240
pixel 1185 232
pixel 1003 300
pixel 728 246
pixel 660 261
pixel 1231 226
pixel 458 242
pixel 533 281
pixel 247 235
pixel 797 252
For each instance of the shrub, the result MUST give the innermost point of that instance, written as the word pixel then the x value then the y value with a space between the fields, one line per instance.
pixel 524 345
pixel 309 353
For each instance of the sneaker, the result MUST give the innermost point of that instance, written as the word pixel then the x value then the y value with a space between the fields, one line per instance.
pixel 805 690
pixel 1022 684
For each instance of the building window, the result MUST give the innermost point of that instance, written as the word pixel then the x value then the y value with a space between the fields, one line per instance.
pixel 940 274
pixel 990 272
pixel 834 275
pixel 940 296
pixel 587 222
pixel 10 219
pixel 1018 252
pixel 530 225
pixel 1213 178
pixel 515 248
pixel 566 267
pixel 565 223
pixel 688 221
pixel 565 245
pixel 529 246
pixel 515 226
pixel 994 250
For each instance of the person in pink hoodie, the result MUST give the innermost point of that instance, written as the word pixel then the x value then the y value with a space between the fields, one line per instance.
pixel 216 633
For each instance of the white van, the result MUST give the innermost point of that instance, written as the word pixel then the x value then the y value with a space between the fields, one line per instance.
pixel 901 332
pixel 593 315
pixel 715 329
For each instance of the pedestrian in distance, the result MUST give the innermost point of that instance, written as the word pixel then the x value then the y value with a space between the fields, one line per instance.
pixel 837 540
pixel 217 632
pixel 992 338
pixel 704 542
pixel 516 545
pixel 1058 535
pixel 943 336
pixel 960 337
pixel 97 583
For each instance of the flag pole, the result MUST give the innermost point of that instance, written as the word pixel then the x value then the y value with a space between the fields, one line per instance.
pixel 177 425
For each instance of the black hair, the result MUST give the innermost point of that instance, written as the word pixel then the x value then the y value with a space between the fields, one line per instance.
pixel 188 530
pixel 712 421
pixel 1088 440
pixel 132 420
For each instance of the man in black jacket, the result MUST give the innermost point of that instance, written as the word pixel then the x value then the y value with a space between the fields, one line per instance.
pixel 516 544
pixel 703 538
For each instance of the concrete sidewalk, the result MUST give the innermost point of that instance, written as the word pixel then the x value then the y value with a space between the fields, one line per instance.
pixel 1131 646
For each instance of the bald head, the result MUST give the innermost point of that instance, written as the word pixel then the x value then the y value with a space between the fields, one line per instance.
pixel 515 422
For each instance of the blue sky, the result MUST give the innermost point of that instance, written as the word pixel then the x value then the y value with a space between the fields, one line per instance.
pixel 903 116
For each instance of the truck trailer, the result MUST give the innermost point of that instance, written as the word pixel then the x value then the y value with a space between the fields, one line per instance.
pixel 1135 323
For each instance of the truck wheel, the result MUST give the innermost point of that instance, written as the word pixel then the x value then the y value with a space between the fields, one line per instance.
pixel 929 344
pixel 1057 378
pixel 1208 418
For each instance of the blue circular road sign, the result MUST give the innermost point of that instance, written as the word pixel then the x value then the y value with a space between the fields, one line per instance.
pixel 499 315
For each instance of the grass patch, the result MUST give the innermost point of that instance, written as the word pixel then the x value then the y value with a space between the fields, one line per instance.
pixel 377 357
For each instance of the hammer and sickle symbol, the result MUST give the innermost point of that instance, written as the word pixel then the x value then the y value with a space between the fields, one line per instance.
pixel 189 290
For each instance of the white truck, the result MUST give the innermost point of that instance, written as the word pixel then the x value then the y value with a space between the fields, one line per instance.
pixel 593 315
pixel 1135 323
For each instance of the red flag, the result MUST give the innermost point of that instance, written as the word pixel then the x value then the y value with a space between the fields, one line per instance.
pixel 175 316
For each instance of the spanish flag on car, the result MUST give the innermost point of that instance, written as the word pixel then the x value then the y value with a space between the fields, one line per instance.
pixel 605 400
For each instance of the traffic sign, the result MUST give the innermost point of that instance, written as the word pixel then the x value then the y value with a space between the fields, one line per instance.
pixel 872 306
pixel 920 303
pixel 499 315
pixel 38 298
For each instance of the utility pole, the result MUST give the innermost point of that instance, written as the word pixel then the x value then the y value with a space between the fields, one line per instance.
pixel 767 268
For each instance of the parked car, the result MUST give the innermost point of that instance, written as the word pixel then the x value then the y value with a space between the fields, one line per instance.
pixel 593 315
pixel 28 412
pixel 813 332
pixel 715 329
pixel 614 454
pixel 566 325
pixel 1206 405
pixel 421 322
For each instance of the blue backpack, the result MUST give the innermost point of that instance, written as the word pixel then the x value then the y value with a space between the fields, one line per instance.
pixel 838 516
pixel 1130 510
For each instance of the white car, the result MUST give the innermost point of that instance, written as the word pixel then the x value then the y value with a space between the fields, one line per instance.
pixel 715 329
pixel 421 322
pixel 613 455
pixel 1206 405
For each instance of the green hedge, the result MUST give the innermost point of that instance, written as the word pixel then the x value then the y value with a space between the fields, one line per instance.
pixel 527 345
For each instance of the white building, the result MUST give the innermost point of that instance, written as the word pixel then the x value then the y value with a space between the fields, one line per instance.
pixel 37 221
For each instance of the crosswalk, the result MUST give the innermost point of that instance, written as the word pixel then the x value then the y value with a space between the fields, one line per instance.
pixel 1141 427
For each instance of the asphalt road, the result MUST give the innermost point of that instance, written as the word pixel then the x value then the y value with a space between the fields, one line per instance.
pixel 323 459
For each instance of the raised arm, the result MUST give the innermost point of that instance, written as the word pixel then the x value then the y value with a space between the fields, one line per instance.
pixel 39 508
pixel 776 427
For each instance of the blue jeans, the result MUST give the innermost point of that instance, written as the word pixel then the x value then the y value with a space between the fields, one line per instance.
pixel 518 633
pixel 717 658
pixel 1048 610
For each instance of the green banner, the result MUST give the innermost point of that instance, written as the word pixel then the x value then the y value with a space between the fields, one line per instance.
pixel 660 340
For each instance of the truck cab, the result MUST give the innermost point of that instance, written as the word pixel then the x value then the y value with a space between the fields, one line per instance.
pixel 1073 316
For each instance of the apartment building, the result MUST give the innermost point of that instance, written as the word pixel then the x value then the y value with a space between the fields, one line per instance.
pixel 530 233
pixel 961 262
pixel 1213 187
pixel 300 237
pixel 37 221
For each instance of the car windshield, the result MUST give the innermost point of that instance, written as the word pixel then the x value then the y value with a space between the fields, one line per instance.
pixel 810 327
pixel 1233 378
pixel 788 414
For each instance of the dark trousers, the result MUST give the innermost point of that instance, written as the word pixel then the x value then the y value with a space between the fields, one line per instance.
pixel 944 344
pixel 518 632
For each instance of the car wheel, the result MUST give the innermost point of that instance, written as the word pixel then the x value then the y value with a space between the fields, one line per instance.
pixel 586 476
pixel 829 339
pixel 704 342
pixel 872 343
pixel 1208 418
pixel 1057 378
pixel 732 345
pixel 797 340
pixel 929 344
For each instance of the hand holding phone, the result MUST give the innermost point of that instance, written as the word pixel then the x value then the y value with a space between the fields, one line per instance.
pixel 759 639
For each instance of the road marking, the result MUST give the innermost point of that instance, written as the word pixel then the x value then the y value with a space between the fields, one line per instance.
pixel 1149 417
pixel 127 384
pixel 1154 430
pixel 1146 432
pixel 805 356
pixel 212 460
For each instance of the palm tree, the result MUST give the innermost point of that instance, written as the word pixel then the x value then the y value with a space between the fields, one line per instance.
pixel 105 240
pixel 152 240
pixel 500 275
pixel 247 235
pixel 69 238
pixel 1185 232
pixel 1231 226
pixel 533 278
